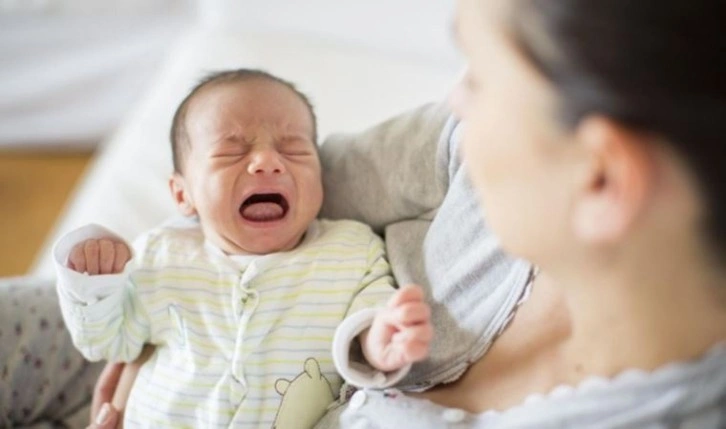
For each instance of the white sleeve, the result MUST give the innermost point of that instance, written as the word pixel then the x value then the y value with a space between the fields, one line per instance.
pixel 82 288
pixel 360 374
pixel 102 313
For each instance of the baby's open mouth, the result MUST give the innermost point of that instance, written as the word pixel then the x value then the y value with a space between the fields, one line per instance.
pixel 264 207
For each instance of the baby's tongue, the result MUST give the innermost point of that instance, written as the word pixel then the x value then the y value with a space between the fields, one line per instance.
pixel 260 212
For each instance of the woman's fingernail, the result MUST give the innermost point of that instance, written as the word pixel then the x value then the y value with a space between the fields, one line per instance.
pixel 103 414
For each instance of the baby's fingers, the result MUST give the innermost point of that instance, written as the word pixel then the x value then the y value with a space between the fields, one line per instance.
pixel 122 257
pixel 412 351
pixel 91 250
pixel 409 293
pixel 77 258
pixel 102 256
pixel 107 256
pixel 113 256
pixel 411 314
pixel 423 333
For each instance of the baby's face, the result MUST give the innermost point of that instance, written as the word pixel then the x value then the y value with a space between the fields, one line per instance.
pixel 252 172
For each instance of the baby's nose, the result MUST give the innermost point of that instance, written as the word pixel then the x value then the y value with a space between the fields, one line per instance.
pixel 266 161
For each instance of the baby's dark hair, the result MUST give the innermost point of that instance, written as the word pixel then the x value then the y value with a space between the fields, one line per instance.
pixel 178 135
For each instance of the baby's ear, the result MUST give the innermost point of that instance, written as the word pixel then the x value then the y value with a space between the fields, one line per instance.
pixel 182 198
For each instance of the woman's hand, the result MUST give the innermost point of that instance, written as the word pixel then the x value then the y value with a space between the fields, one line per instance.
pixel 401 332
pixel 103 415
pixel 112 391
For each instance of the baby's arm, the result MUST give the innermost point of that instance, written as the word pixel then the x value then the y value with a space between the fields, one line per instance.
pixel 392 337
pixel 400 333
pixel 103 316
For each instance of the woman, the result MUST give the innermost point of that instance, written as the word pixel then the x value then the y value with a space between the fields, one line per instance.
pixel 593 135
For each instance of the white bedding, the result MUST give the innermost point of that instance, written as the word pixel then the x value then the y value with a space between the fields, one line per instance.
pixel 69 73
pixel 352 84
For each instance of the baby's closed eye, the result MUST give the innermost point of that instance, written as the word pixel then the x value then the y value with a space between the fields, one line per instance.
pixel 296 147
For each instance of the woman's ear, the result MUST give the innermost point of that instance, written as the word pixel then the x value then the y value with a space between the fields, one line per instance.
pixel 617 182
pixel 182 198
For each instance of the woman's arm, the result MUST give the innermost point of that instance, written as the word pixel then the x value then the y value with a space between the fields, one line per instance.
pixel 388 173
pixel 113 389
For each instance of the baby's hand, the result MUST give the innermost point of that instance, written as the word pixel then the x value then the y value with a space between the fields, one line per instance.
pixel 400 333
pixel 99 256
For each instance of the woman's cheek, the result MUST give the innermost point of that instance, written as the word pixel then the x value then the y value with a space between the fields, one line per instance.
pixel 457 100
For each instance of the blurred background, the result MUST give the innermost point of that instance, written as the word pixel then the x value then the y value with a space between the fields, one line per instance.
pixel 69 71
pixel 87 89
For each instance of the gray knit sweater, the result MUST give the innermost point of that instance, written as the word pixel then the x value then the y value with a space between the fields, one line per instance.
pixel 405 179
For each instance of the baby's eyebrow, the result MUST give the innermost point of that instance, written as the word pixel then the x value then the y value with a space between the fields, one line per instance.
pixel 235 138
pixel 295 136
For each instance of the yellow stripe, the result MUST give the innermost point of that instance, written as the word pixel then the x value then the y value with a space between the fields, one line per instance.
pixel 202 344
pixel 161 399
pixel 291 362
pixel 176 276
pixel 201 388
pixel 258 322
pixel 304 274
pixel 160 300
pixel 173 277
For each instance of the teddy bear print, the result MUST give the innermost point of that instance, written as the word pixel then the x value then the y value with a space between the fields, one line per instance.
pixel 304 399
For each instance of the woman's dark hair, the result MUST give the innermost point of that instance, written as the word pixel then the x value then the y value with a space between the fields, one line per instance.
pixel 657 66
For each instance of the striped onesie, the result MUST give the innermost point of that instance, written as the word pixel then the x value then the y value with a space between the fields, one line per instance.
pixel 242 341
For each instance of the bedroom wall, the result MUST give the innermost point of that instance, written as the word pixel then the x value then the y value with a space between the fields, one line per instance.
pixel 78 72
pixel 71 69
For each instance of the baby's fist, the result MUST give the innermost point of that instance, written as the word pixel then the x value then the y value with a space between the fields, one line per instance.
pixel 99 256
pixel 401 332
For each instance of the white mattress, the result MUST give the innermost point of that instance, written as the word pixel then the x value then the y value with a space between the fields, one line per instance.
pixel 352 84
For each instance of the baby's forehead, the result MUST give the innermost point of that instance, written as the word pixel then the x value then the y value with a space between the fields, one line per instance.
pixel 225 110
pixel 249 92
pixel 252 85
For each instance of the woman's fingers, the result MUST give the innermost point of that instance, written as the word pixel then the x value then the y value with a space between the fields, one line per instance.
pixel 108 418
pixel 105 387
